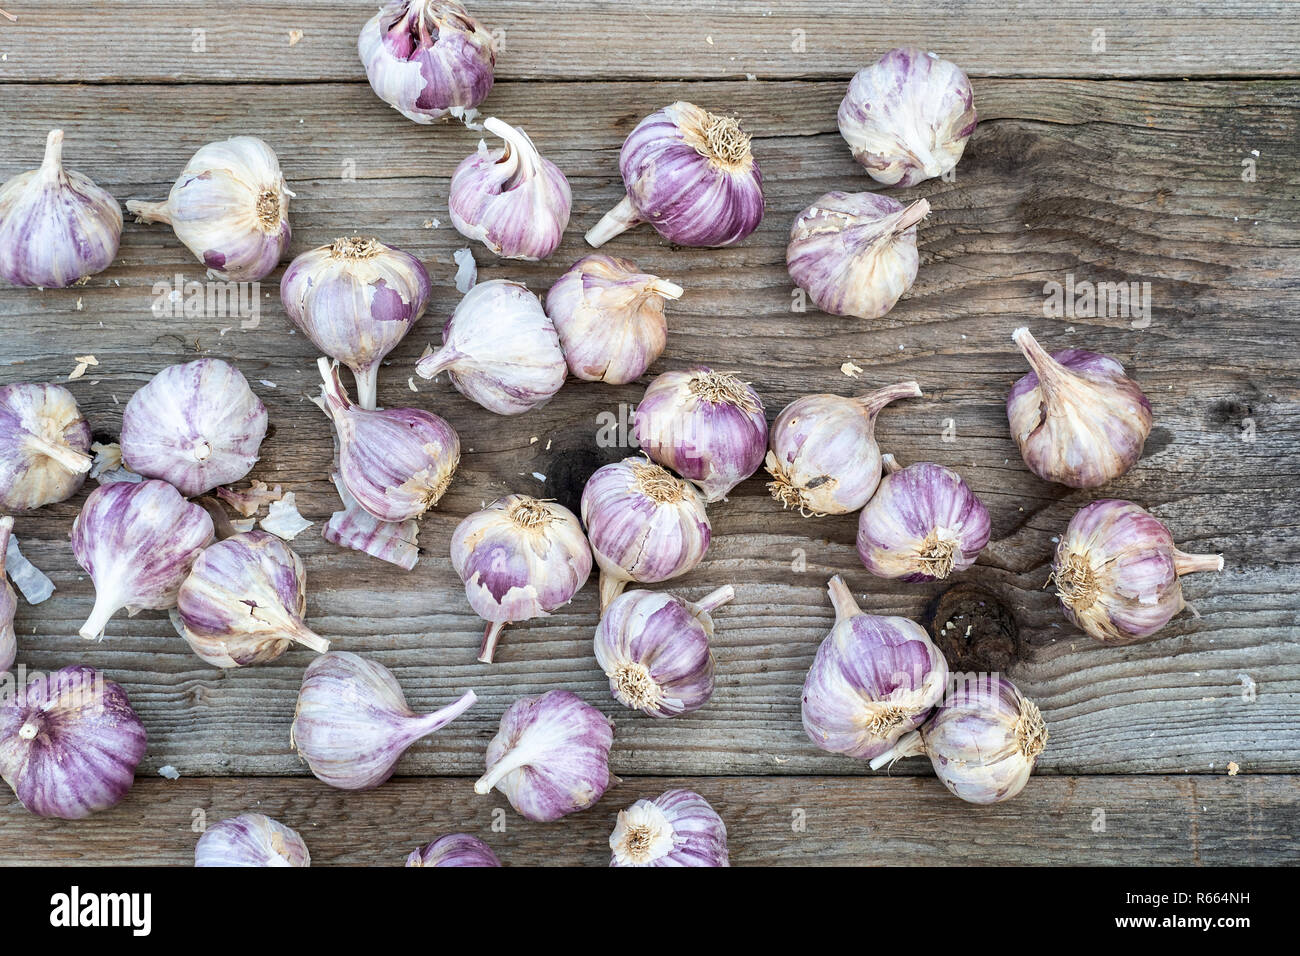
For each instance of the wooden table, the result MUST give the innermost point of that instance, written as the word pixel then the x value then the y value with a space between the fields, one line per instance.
pixel 1136 141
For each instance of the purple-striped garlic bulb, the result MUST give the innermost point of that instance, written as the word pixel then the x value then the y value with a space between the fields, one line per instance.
pixel 855 253
pixel 907 117
pixel 519 558
pixel 500 349
pixel 691 175
pixel 654 648
pixel 922 524
pixel 396 462
pixel 550 757
pixel 230 207
pixel 1078 419
pixel 196 426
pixel 873 679
pixel 707 426
pixel 56 226
pixel 138 542
pixel 69 743
pixel 44 446
pixel 352 723
pixel 676 828
pixel 8 601
pixel 454 849
pixel 1117 571
pixel 610 318
pixel 356 299
pixel 251 839
pixel 513 200
pixel 644 524
pixel 427 59
pixel 244 602
pixel 823 455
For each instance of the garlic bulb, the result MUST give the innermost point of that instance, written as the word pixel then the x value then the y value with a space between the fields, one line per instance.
pixel 824 459
pixel 855 253
pixel 427 58
pixel 244 601
pixel 356 299
pixel 873 679
pixel 512 199
pixel 707 426
pixel 677 828
pixel 610 318
pixel 57 227
pixel 230 207
pixel 644 525
pixel 907 117
pixel 654 648
pixel 691 175
pixel 550 757
pixel 69 743
pixel 250 839
pixel 519 558
pixel 396 462
pixel 454 849
pixel 1117 571
pixel 8 600
pixel 922 524
pixel 137 541
pixel 44 440
pixel 352 723
pixel 196 426
pixel 500 349
pixel 1078 419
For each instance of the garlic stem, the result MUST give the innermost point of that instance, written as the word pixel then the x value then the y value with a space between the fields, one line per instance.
pixel 52 164
pixel 875 401
pixel 516 757
pixel 669 290
pixel 908 745
pixel 334 394
pixel 439 361
pixel 105 607
pixel 491 635
pixel 618 220
pixel 149 211
pixel 309 638
pixel 912 215
pixel 367 387
pixel 66 456
pixel 1046 367
pixel 519 150
pixel 890 463
pixel 428 723
pixel 610 588
pixel 8 16
pixel 715 599
pixel 1191 563
pixel 842 599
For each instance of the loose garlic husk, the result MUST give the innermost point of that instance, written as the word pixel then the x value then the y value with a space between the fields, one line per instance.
pixel 513 200
pixel 230 207
pixel 8 601
pixel 1117 571
pixel 454 849
pixel 610 318
pixel 654 648
pixel 519 558
pixel 644 525
pixel 1078 419
pixel 44 441
pixel 251 839
pixel 356 299
pixel 500 349
pixel 676 828
pixel 855 253
pixel 57 227
pixel 824 459
pixel 908 116
pixel 550 757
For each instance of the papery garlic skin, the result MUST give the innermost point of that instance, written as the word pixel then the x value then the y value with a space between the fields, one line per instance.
pixel 908 116
pixel 874 678
pixel 1078 419
pixel 922 524
pixel 500 349
pixel 519 558
pixel 691 175
pixel 1117 571
pixel 823 456
pixel 654 648
pixel 676 828
pixel 644 525
pixel 56 226
pixel 454 849
pixel 513 200
pixel 356 299
pixel 427 59
pixel 230 207
pixel 70 743
pixel 8 601
pixel 196 426
pixel 610 318
pixel 138 542
pixel 855 253
pixel 550 757
pixel 44 445
pixel 251 839
pixel 352 723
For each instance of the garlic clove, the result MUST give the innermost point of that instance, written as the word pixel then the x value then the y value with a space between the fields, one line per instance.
pixel 251 839
pixel 677 828
pixel 8 600
pixel 44 440
pixel 454 849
